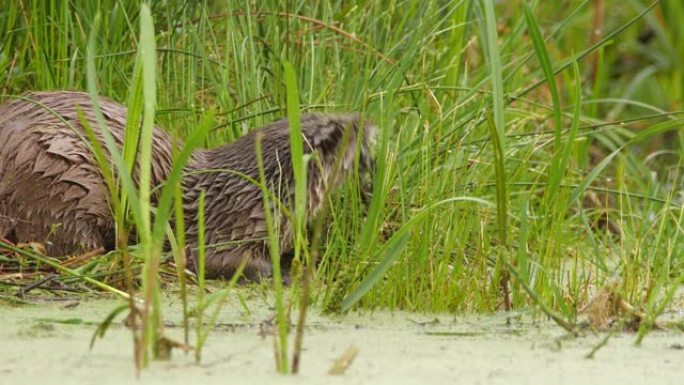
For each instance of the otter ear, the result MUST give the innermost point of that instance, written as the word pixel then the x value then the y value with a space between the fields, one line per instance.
pixel 322 133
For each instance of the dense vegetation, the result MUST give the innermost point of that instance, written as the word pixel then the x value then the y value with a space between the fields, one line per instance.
pixel 529 153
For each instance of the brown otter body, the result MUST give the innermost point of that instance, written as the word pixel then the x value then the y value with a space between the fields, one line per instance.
pixel 52 191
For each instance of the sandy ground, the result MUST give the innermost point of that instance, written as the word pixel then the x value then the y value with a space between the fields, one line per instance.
pixel 398 348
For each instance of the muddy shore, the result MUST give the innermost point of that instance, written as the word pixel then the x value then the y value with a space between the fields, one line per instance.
pixel 48 343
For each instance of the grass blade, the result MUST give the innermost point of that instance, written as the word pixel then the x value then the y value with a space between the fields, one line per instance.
pixel 201 260
pixel 543 56
pixel 393 247
pixel 499 130
pixel 656 129
pixel 562 155
pixel 66 270
pixel 299 162
pixel 498 134
pixel 274 251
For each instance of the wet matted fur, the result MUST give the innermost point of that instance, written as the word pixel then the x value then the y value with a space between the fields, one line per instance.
pixel 52 190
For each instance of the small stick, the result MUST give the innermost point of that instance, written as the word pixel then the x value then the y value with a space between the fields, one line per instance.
pixel 629 309
pixel 344 361
pixel 24 290
pixel 83 257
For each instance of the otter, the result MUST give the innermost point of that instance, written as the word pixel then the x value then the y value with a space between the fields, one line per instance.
pixel 51 188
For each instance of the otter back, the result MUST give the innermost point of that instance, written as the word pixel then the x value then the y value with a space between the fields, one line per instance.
pixel 51 188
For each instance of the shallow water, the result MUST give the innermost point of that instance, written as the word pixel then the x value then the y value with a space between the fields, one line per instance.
pixel 394 348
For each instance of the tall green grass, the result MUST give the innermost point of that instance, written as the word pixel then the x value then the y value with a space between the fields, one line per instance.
pixel 513 137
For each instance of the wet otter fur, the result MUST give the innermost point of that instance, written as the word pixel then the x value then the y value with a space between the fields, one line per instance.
pixel 52 190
